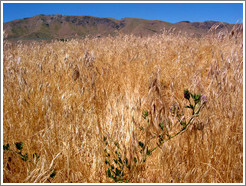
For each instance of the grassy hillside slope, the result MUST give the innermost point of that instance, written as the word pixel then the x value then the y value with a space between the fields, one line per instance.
pixel 60 26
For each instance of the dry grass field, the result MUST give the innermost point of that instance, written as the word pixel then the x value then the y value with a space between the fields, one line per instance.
pixel 70 102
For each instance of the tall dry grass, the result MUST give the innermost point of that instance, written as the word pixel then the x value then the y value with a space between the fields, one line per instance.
pixel 61 98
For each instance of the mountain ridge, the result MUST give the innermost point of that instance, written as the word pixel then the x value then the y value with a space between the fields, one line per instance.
pixel 61 26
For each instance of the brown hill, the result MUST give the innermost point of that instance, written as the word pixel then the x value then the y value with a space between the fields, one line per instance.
pixel 60 26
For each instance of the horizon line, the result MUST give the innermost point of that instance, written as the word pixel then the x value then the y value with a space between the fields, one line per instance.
pixel 125 18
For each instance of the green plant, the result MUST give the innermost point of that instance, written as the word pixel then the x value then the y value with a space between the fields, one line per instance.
pixel 19 147
pixel 196 104
pixel 25 157
pixel 52 175
pixel 118 167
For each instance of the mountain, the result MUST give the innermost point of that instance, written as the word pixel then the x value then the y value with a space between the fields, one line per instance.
pixel 61 26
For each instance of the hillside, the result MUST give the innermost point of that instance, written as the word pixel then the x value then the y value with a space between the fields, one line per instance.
pixel 60 26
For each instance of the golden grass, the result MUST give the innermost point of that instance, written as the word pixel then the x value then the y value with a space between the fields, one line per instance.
pixel 61 98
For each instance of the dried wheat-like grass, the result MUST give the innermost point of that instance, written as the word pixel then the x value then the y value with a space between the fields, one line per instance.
pixel 61 98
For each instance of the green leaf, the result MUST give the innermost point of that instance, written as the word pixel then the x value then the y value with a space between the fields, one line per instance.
pixel 145 114
pixel 148 153
pixel 196 98
pixel 161 125
pixel 120 160
pixel 24 157
pixel 141 144
pixel 126 161
pixel 19 145
pixel 52 175
pixel 183 123
pixel 112 167
pixel 135 159
pixel 35 155
pixel 116 144
pixel 104 138
pixel 160 140
pixel 190 106
pixel 109 173
pixel 118 172
pixel 6 147
pixel 186 94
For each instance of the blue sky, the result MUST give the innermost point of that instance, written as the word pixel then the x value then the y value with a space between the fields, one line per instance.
pixel 170 12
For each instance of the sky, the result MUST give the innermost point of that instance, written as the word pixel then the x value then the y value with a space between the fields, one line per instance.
pixel 170 12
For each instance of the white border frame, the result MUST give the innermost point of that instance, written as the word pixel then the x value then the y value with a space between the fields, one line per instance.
pixel 2 2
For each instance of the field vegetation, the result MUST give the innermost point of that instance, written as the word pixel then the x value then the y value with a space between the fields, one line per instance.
pixel 73 110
